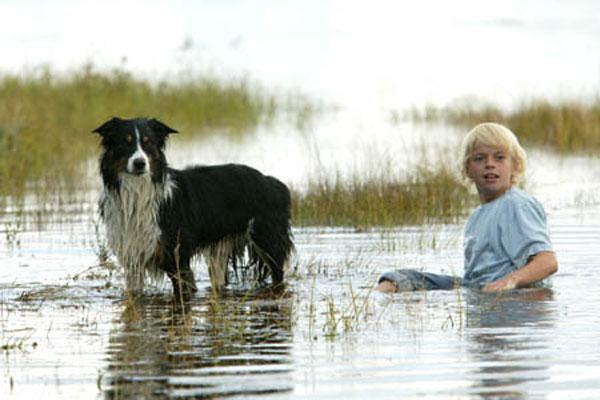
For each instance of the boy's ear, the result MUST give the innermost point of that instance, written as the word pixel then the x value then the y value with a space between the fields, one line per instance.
pixel 160 127
pixel 108 127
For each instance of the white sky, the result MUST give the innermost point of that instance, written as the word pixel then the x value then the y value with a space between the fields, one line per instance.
pixel 381 53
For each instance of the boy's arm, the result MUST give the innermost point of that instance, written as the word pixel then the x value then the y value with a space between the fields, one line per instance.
pixel 540 266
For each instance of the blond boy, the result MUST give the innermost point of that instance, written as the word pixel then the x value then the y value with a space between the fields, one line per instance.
pixel 506 241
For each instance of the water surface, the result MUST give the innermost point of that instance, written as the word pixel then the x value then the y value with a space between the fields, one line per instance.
pixel 69 331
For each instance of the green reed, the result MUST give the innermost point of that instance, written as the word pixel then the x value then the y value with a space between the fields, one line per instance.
pixel 564 126
pixel 46 118
pixel 425 195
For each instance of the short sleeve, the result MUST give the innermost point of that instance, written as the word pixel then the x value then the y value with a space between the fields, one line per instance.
pixel 524 232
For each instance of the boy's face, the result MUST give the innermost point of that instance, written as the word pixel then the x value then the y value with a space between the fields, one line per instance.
pixel 491 169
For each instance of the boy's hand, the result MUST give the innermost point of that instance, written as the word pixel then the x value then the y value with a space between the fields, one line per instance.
pixel 500 285
pixel 538 267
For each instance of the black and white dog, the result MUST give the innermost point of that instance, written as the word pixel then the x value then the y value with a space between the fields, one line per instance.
pixel 157 218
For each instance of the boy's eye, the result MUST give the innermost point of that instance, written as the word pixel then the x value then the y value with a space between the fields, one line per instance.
pixel 478 158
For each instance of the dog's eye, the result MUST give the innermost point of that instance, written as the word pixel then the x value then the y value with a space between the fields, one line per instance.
pixel 129 139
pixel 146 140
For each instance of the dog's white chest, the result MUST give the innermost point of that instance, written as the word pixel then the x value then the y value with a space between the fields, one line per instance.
pixel 131 217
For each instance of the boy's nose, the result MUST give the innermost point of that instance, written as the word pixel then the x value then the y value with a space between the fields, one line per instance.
pixel 489 162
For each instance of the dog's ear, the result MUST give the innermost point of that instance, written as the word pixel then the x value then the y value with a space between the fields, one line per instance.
pixel 160 127
pixel 108 127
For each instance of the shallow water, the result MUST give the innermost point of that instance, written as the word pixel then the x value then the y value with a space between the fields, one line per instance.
pixel 67 329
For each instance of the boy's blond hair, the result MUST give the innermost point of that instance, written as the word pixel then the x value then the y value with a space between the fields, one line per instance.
pixel 494 135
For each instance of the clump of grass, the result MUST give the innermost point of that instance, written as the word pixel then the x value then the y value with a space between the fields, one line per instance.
pixel 46 118
pixel 17 343
pixel 565 126
pixel 8 342
pixel 346 318
pixel 426 195
pixel 40 295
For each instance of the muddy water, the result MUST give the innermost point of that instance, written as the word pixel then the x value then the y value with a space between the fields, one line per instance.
pixel 68 331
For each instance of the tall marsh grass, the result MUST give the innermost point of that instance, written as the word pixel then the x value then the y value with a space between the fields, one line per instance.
pixel 46 118
pixel 564 126
pixel 426 195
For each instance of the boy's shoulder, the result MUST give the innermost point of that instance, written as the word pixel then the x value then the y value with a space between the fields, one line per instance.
pixel 516 196
pixel 517 202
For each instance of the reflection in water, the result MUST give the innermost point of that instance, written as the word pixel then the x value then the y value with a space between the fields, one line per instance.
pixel 507 333
pixel 219 346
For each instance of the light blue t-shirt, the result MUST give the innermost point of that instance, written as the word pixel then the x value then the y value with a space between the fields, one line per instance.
pixel 500 236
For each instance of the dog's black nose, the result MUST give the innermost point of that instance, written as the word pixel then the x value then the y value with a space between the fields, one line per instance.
pixel 139 164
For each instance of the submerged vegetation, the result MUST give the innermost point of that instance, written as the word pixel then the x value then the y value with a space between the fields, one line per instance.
pixel 46 118
pixel 565 126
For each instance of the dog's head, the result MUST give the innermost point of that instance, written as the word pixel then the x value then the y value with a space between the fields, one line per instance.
pixel 133 146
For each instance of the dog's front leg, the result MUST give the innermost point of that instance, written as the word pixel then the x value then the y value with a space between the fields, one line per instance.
pixel 184 285
pixel 177 267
